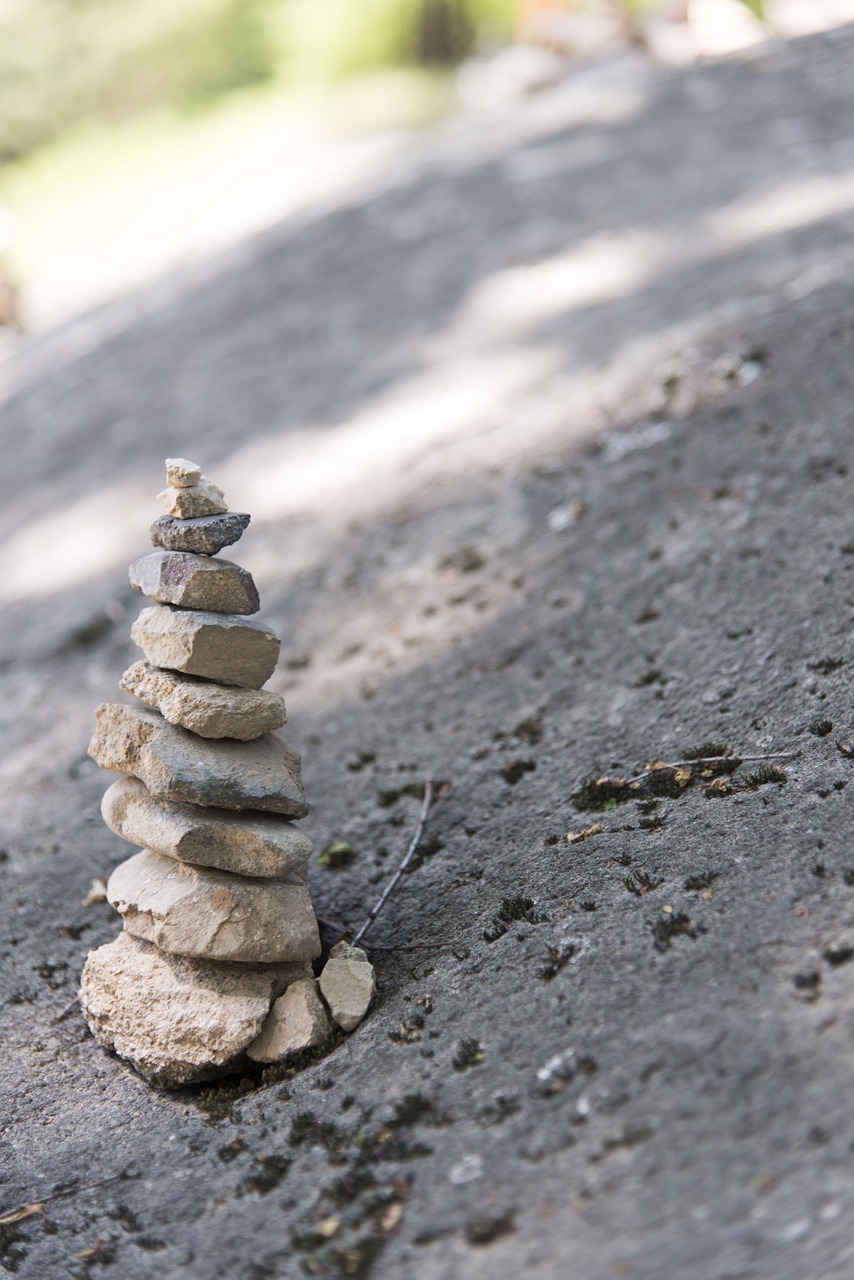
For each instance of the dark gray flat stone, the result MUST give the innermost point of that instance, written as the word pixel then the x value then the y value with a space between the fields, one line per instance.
pixel 205 534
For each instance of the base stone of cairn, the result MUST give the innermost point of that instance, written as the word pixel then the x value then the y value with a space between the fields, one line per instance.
pixel 213 971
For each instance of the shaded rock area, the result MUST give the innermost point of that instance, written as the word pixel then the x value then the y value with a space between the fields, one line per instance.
pixel 551 423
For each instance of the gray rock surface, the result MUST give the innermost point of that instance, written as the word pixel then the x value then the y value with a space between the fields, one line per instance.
pixel 216 646
pixel 347 984
pixel 619 314
pixel 208 709
pixel 298 1020
pixel 176 765
pixel 205 534
pixel 202 499
pixel 195 582
pixel 178 1021
pixel 247 844
pixel 212 915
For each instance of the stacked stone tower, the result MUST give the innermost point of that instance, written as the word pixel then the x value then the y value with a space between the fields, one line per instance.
pixel 213 966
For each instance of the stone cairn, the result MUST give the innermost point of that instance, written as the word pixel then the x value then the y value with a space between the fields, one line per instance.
pixel 213 970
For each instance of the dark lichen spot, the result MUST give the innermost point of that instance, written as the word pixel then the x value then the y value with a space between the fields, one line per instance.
pixel 307 1130
pixel 821 728
pixel 601 792
pixel 652 822
pixel 12 1249
pixel 671 925
pixel 764 775
pixel 514 770
pixel 485 1228
pixel 559 958
pixel 510 910
pixel 825 666
pixel 469 1054
pixel 266 1176
pixel 467 560
pixel 640 882
pixel 701 880
pixel 840 954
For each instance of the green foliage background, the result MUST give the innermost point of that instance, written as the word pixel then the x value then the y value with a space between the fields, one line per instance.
pixel 65 61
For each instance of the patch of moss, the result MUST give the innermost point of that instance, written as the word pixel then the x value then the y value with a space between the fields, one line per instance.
pixel 337 856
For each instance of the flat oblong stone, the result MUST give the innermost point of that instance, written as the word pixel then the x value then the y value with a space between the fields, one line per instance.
pixel 204 534
pixel 218 646
pixel 298 1020
pixel 201 499
pixel 213 915
pixel 247 844
pixel 176 765
pixel 178 1021
pixel 208 709
pixel 195 582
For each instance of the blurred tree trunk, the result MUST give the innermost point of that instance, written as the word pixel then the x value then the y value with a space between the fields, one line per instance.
pixel 445 32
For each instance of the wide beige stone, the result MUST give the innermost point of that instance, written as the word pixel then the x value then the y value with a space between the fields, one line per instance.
pixel 247 844
pixel 217 646
pixel 347 984
pixel 201 499
pixel 177 1021
pixel 176 765
pixel 182 474
pixel 212 915
pixel 210 710
pixel 297 1020
pixel 195 582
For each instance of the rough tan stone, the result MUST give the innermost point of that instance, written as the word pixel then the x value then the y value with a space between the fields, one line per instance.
pixel 178 1021
pixel 202 499
pixel 195 582
pixel 182 474
pixel 247 844
pixel 347 984
pixel 217 646
pixel 205 534
pixel 212 915
pixel 297 1020
pixel 210 710
pixel 176 765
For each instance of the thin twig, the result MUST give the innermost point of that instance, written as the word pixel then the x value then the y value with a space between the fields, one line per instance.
pixel 735 760
pixel 411 946
pixel 407 858
pixel 63 1013
pixel 9 1215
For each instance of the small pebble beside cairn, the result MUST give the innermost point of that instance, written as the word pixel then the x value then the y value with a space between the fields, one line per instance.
pixel 214 966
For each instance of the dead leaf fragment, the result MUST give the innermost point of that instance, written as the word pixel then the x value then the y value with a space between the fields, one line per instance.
pixel 391 1217
pixel 577 837
pixel 18 1215
pixel 93 1251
